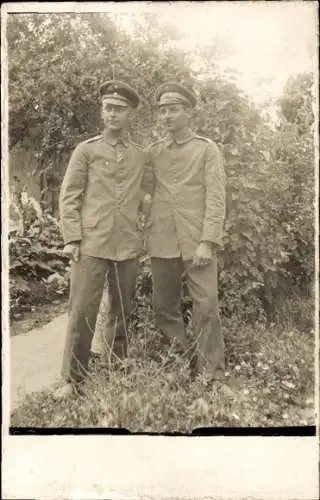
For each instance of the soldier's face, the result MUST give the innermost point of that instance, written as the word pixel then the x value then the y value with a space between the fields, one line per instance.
pixel 174 116
pixel 114 116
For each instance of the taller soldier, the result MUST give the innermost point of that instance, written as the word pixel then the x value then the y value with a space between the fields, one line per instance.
pixel 187 217
pixel 99 205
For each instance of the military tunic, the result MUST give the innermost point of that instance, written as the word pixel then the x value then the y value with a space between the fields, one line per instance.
pixel 100 196
pixel 189 196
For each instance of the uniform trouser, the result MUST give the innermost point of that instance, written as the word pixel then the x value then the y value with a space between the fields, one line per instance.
pixel 86 289
pixel 207 346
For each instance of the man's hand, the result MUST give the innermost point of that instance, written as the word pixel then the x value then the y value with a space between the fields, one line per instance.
pixel 72 250
pixel 203 255
pixel 145 205
pixel 143 221
pixel 143 224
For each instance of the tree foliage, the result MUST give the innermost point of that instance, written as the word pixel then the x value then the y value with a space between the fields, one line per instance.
pixel 56 64
pixel 296 104
pixel 295 146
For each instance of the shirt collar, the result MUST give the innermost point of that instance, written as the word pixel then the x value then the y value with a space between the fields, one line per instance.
pixel 187 135
pixel 124 138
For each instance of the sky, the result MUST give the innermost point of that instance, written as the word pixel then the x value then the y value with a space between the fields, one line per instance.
pixel 268 41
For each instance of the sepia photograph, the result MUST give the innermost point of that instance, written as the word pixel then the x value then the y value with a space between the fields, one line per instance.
pixel 161 216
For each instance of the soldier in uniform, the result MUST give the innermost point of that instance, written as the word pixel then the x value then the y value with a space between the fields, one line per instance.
pixel 186 229
pixel 99 206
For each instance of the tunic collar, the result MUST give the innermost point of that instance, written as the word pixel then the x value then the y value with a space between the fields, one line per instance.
pixel 124 138
pixel 186 136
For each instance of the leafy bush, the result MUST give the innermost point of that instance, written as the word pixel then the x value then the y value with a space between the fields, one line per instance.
pixel 295 151
pixel 39 272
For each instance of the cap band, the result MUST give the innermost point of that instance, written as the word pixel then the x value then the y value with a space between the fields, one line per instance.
pixel 115 98
pixel 172 98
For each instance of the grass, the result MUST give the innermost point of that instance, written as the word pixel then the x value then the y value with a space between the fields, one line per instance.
pixel 270 373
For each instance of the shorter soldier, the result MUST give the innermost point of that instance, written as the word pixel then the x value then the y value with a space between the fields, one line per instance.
pixel 99 205
pixel 187 217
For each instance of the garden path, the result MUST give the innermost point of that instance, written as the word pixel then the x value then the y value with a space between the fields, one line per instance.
pixel 35 359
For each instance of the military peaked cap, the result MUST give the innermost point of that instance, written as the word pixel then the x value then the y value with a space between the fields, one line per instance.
pixel 117 92
pixel 174 93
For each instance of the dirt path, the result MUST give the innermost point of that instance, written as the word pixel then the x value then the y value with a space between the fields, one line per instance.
pixel 35 359
pixel 39 316
pixel 36 345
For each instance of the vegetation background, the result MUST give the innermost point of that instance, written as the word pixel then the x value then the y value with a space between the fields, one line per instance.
pixel 267 266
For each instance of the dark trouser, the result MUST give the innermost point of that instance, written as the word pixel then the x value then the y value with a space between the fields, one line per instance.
pixel 207 346
pixel 87 284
